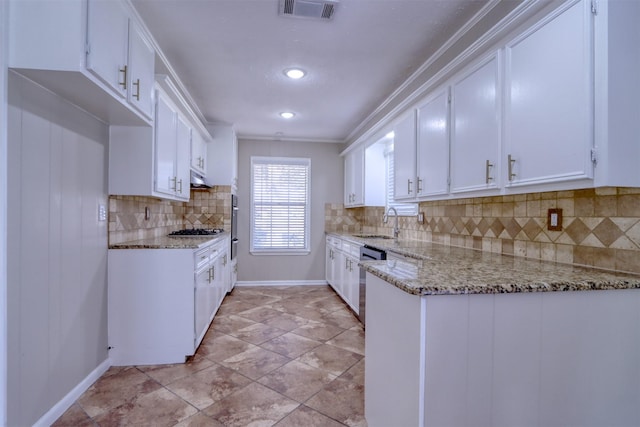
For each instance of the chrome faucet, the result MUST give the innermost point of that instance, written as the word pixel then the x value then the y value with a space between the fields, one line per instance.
pixel 396 229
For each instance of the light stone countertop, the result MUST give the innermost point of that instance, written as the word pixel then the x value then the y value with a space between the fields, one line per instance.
pixel 434 269
pixel 167 242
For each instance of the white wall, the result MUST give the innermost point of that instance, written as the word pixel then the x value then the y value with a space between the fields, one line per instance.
pixel 3 212
pixel 327 186
pixel 57 249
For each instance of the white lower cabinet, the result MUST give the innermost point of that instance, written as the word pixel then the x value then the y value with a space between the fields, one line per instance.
pixel 524 359
pixel 342 271
pixel 161 301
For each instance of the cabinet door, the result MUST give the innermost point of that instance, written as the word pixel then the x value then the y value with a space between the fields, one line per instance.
pixel 183 149
pixel 328 264
pixel 198 153
pixel 202 301
pixel 166 126
pixel 141 71
pixel 549 105
pixel 433 146
pixel 353 175
pixel 353 284
pixel 404 157
pixel 475 128
pixel 107 39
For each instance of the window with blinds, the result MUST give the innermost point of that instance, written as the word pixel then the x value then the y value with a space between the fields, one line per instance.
pixel 280 205
pixel 404 209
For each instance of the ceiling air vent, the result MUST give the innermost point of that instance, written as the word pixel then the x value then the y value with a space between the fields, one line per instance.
pixel 318 9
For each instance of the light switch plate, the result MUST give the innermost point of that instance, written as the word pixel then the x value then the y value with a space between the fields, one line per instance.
pixel 554 219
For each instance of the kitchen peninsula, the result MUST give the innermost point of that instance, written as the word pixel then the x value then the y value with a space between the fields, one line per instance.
pixel 459 337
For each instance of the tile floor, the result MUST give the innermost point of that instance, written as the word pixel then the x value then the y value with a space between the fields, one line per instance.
pixel 284 356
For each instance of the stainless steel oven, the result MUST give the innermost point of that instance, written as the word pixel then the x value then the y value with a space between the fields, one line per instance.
pixel 234 225
pixel 367 253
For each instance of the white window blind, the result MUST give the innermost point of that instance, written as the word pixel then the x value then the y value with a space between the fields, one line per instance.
pixel 404 209
pixel 280 205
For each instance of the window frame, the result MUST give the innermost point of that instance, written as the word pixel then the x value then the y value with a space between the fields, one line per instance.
pixel 281 161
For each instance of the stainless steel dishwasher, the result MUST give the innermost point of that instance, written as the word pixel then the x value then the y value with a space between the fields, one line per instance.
pixel 367 253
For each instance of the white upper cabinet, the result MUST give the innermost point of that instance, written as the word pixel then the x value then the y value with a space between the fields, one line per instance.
pixel 198 153
pixel 364 176
pixel 84 51
pixel 182 156
pixel 166 125
pixel 353 178
pixel 404 157
pixel 432 170
pixel 108 43
pixel 475 127
pixel 549 99
pixel 155 161
pixel 173 143
pixel 222 156
pixel 140 72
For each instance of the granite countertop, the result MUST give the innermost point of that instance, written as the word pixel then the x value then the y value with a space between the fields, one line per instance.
pixel 170 242
pixel 434 269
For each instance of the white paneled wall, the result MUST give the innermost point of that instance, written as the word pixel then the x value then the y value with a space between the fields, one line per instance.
pixel 57 249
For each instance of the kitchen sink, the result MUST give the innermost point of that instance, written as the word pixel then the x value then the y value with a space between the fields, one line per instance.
pixel 372 236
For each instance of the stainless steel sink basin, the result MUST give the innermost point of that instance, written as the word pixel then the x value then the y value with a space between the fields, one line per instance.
pixel 372 236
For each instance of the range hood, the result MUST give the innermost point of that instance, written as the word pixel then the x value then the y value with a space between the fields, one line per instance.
pixel 198 181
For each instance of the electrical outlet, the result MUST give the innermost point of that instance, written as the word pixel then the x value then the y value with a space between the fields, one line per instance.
pixel 420 217
pixel 102 212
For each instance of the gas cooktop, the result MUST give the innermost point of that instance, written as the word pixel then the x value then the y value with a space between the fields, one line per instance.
pixel 191 232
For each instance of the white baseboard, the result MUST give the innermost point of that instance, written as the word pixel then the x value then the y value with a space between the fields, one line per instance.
pixel 65 403
pixel 282 283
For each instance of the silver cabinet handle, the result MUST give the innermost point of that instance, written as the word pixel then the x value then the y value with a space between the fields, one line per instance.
pixel 511 161
pixel 419 189
pixel 137 85
pixel 409 184
pixel 123 83
pixel 488 167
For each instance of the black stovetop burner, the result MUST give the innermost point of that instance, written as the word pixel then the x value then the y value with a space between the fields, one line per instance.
pixel 190 232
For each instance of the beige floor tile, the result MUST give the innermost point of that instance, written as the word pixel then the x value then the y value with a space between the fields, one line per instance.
pixel 75 416
pixel 222 347
pixel 161 406
pixel 286 321
pixel 228 324
pixel 334 360
pixel 254 405
pixel 307 417
pixel 259 314
pixel 290 345
pixel 318 331
pixel 355 373
pixel 297 380
pixel 166 374
pixel 352 340
pixel 255 362
pixel 231 381
pixel 209 385
pixel 257 333
pixel 341 400
pixel 110 391
pixel 199 420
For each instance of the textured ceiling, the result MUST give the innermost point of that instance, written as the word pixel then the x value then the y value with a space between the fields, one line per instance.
pixel 230 56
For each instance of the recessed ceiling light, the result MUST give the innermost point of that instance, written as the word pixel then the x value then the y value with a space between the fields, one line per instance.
pixel 286 115
pixel 294 73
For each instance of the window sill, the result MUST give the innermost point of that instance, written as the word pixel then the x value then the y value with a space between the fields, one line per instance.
pixel 280 252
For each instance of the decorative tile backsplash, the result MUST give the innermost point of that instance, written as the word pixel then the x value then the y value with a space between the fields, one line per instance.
pixel 209 208
pixel 600 227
